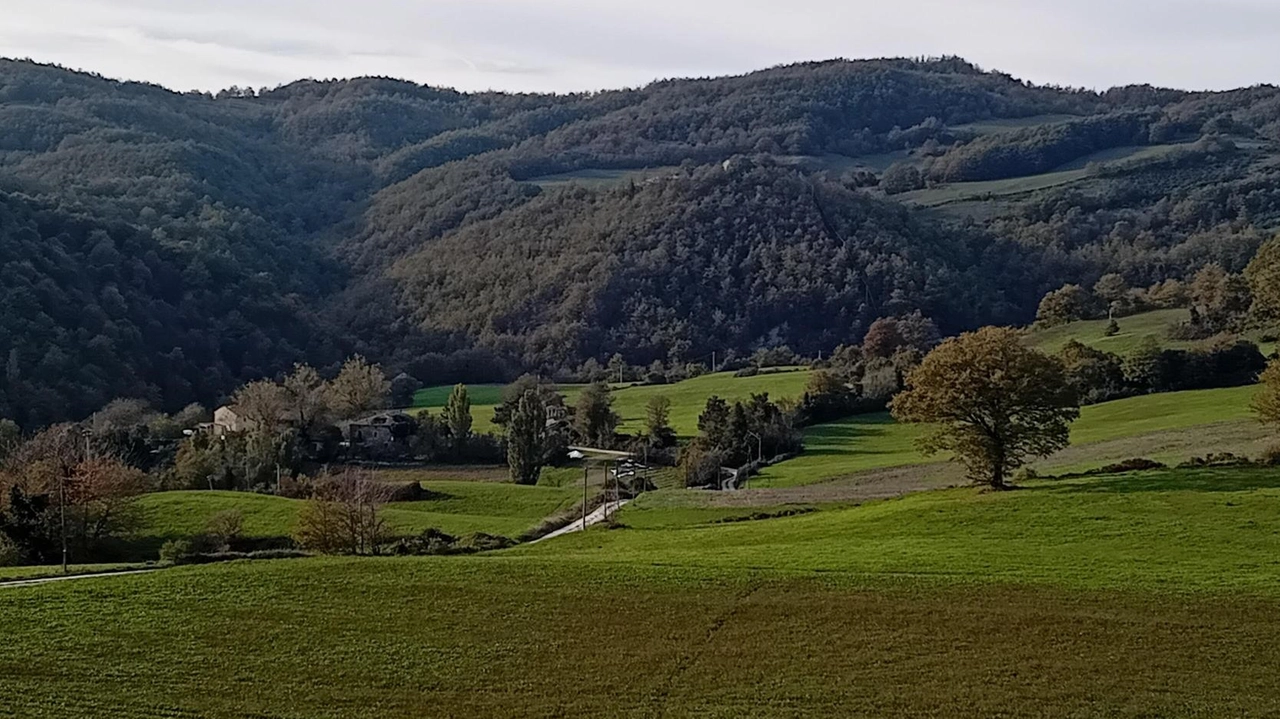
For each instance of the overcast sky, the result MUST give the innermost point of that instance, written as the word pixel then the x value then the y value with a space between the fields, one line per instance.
pixel 567 45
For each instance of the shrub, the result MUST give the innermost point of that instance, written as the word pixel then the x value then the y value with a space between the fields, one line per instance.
pixel 175 551
pixel 431 542
pixel 10 552
pixel 214 557
pixel 1137 464
pixel 759 516
pixel 435 542
pixel 1218 459
pixel 750 371
pixel 481 542
pixel 225 527
pixel 405 492
pixel 1113 329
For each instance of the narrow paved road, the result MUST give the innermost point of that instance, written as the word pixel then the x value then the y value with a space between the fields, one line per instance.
pixel 69 577
pixel 595 517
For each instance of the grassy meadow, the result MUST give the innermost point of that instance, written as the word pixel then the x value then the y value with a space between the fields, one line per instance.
pixel 1134 330
pixel 456 507
pixel 871 442
pixel 1148 594
pixel 688 398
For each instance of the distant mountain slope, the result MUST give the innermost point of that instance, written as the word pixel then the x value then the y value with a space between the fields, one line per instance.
pixel 411 222
pixel 737 256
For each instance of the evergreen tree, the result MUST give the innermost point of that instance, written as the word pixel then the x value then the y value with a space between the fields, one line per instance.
pixel 525 434
pixel 457 416
pixel 594 418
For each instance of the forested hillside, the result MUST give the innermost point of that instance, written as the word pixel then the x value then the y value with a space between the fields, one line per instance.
pixel 172 246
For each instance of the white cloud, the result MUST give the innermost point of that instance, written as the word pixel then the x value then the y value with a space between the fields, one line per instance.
pixel 564 45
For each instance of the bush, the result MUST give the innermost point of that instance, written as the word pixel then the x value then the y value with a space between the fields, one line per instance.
pixel 750 371
pixel 10 552
pixel 214 557
pixel 481 542
pixel 433 542
pixel 1217 459
pixel 1113 329
pixel 225 527
pixel 175 551
pixel 1188 332
pixel 1137 464
pixel 405 492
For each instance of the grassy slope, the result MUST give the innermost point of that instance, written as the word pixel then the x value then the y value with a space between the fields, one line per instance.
pixel 688 398
pixel 1190 529
pixel 1133 330
pixel 1139 595
pixel 454 507
pixel 872 442
pixel 1072 172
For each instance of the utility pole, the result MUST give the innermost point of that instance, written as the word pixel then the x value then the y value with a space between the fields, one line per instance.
pixel 713 361
pixel 586 477
pixel 62 517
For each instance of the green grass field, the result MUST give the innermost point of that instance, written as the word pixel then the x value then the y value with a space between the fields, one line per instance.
pixel 1191 529
pixel 873 442
pixel 688 398
pixel 436 397
pixel 1139 595
pixel 1133 331
pixel 453 507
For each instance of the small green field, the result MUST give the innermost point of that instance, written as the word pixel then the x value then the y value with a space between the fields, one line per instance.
pixel 1134 330
pixel 436 397
pixel 453 507
pixel 688 398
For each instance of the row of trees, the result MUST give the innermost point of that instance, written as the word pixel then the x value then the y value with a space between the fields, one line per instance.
pixel 737 435
pixel 1100 376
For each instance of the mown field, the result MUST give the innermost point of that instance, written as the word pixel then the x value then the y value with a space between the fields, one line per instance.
pixel 1139 595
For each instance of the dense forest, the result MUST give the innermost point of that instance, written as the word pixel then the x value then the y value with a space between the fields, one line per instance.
pixel 171 247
